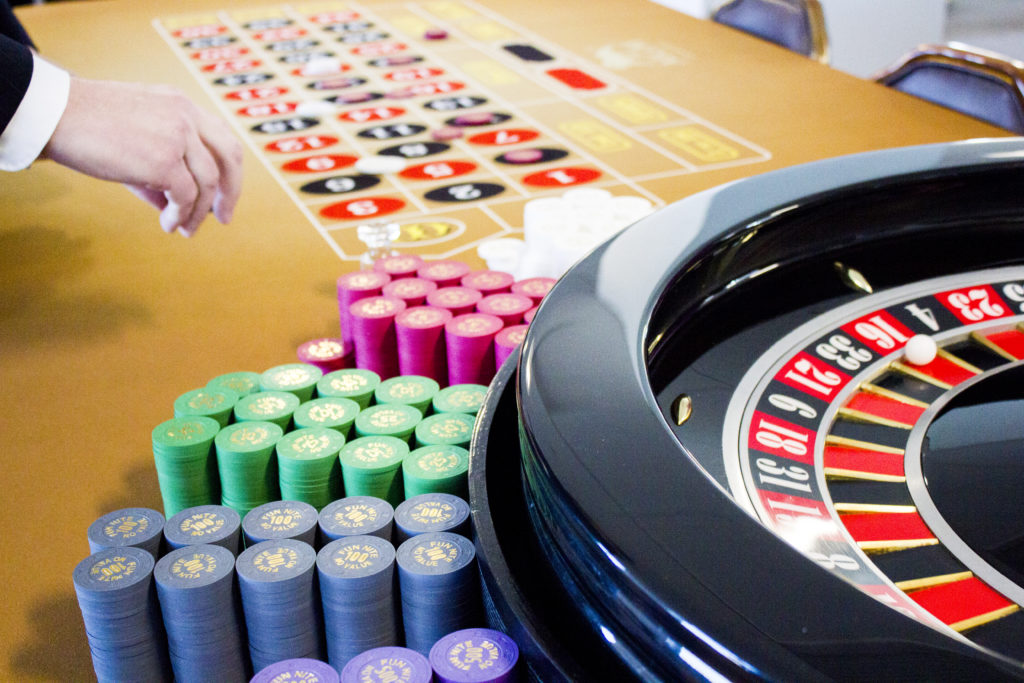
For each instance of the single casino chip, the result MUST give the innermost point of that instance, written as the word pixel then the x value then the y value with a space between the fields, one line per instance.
pixel 380 665
pixel 412 290
pixel 388 419
pixel 122 620
pixel 475 655
pixel 186 467
pixel 137 527
pixel 508 306
pixel 205 524
pixel 460 398
pixel 328 354
pixel 358 589
pixel 357 384
pixel 207 402
pixel 436 469
pixel 196 588
pixel 445 429
pixel 430 512
pixel 242 383
pixel 267 406
pixel 308 466
pixel 371 466
pixel 332 412
pixel 280 519
pixel 295 378
pixel 455 299
pixel 438 586
pixel 470 344
pixel 280 600
pixel 373 333
pixel 399 266
pixel 381 164
pixel 420 341
pixel 444 273
pixel 489 282
pixel 299 670
pixel 507 341
pixel 357 516
pixel 411 390
pixel 247 464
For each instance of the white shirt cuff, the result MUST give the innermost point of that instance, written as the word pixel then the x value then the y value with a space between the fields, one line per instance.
pixel 37 116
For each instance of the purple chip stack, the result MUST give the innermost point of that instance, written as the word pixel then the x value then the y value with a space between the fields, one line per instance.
pixel 421 342
pixel 412 290
pixel 298 669
pixel 351 288
pixel 470 343
pixel 388 664
pixel 373 334
pixel 475 655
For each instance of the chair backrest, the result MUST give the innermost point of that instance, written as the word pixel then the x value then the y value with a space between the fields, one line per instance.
pixel 795 24
pixel 979 83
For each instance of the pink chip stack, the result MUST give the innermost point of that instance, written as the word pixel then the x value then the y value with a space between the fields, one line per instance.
pixel 422 349
pixel 351 288
pixel 444 273
pixel 470 344
pixel 373 334
pixel 489 281
pixel 458 300
pixel 412 290
pixel 399 266
pixel 534 287
pixel 327 354
pixel 509 307
pixel 506 341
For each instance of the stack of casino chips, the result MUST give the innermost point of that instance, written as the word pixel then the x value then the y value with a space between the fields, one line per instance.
pixel 215 402
pixel 445 429
pixel 280 601
pixel 186 467
pixel 357 588
pixel 327 411
pixel 295 378
pixel 436 469
pixel 205 524
pixel 401 321
pixel 460 398
pixel 431 512
pixel 247 464
pixel 328 354
pixel 135 527
pixel 392 663
pixel 122 620
pixel 411 390
pixel 281 519
pixel 439 587
pixel 196 586
pixel 242 383
pixel 357 516
pixel 300 669
pixel 371 466
pixel 355 384
pixel 308 466
pixel 267 406
pixel 475 655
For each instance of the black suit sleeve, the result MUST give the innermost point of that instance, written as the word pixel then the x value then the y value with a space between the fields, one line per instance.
pixel 15 63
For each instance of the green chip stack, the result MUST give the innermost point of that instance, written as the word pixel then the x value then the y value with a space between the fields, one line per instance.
pixel 247 466
pixel 331 412
pixel 207 402
pixel 411 390
pixel 267 406
pixel 447 429
pixel 388 419
pixel 185 466
pixel 460 398
pixel 352 383
pixel 436 469
pixel 371 466
pixel 308 465
pixel 242 383
pixel 295 378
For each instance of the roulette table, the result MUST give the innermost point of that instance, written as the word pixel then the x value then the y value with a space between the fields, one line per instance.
pixel 765 478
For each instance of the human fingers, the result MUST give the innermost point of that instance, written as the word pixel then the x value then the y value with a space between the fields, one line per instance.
pixel 227 153
pixel 206 177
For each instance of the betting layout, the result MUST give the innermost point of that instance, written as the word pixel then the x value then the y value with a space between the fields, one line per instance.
pixel 443 117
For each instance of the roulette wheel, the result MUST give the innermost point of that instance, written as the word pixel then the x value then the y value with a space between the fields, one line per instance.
pixel 774 431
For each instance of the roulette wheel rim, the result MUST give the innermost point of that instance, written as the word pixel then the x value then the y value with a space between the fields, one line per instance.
pixel 657 570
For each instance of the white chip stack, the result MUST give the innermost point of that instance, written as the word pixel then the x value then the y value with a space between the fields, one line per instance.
pixel 558 231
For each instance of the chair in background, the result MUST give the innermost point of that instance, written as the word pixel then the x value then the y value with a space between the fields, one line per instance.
pixel 795 24
pixel 982 84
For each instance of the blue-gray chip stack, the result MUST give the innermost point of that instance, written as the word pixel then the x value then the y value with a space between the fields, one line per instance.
pixel 281 519
pixel 115 593
pixel 439 587
pixel 197 591
pixel 357 588
pixel 136 527
pixel 431 512
pixel 357 516
pixel 202 524
pixel 280 600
